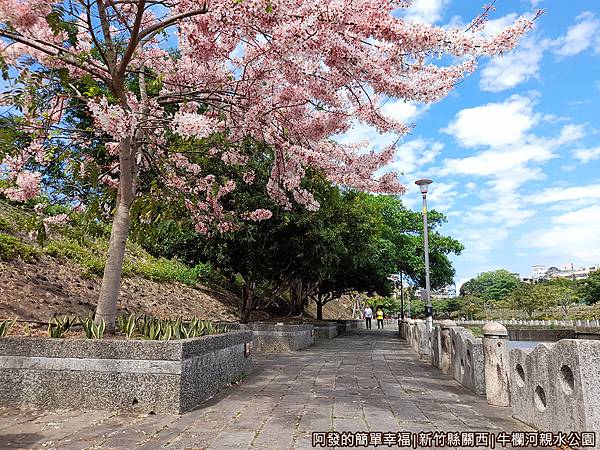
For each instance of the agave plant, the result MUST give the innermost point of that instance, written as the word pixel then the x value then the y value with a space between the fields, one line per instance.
pixel 5 326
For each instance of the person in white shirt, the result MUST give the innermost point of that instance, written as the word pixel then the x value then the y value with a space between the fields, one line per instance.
pixel 368 316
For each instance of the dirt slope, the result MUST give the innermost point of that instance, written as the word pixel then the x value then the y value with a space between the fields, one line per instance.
pixel 54 287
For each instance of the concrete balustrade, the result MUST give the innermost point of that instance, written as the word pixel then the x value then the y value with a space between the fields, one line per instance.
pixel 553 387
pixel 557 386
pixel 496 360
pixel 446 347
pixel 467 359
pixel 537 323
pixel 436 346
pixel 452 349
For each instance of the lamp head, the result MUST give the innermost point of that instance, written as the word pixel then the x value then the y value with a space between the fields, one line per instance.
pixel 423 184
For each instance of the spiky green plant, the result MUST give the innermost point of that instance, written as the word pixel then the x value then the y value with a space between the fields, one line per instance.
pixel 5 326
pixel 60 326
pixel 98 329
pixel 128 324
pixel 92 329
pixel 86 324
pixel 152 328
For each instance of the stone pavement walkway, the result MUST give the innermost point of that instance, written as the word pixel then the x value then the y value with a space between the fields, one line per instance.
pixel 363 381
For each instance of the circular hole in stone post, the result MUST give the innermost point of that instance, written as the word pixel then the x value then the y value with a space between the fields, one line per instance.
pixel 539 397
pixel 567 381
pixel 499 344
pixel 520 375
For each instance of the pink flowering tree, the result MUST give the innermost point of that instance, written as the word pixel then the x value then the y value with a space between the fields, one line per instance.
pixel 287 73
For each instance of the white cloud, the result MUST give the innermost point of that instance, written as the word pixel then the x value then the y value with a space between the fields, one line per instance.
pixel 406 112
pixel 499 175
pixel 494 26
pixel 495 162
pixel 569 238
pixel 426 11
pixel 442 196
pixel 570 133
pixel 413 155
pixel 480 241
pixel 587 154
pixel 494 124
pixel 561 194
pixel 579 37
pixel 511 69
pixel 523 63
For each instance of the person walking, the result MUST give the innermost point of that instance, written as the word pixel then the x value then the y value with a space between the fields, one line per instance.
pixel 379 318
pixel 368 316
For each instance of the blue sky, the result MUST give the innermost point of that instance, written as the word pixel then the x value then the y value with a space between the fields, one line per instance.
pixel 514 151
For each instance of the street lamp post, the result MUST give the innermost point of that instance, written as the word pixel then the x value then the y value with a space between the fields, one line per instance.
pixel 423 186
pixel 401 297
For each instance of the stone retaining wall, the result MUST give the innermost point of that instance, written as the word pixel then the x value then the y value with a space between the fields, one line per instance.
pixel 325 330
pixel 132 375
pixel 556 387
pixel 274 338
pixel 345 326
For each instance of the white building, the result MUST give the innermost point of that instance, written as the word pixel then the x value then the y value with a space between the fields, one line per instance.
pixel 539 272
pixel 446 292
pixel 565 271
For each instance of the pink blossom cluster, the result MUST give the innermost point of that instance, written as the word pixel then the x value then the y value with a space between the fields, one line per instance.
pixel 291 75
pixel 59 219
pixel 194 125
pixel 182 162
pixel 259 215
pixel 27 187
pixel 112 119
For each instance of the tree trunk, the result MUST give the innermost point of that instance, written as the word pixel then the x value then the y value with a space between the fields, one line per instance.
pixel 319 309
pixel 296 297
pixel 247 301
pixel 111 280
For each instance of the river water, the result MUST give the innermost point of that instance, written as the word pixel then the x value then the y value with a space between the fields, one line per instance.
pixel 525 344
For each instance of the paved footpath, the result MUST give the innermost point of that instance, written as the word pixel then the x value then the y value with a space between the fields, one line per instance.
pixel 363 381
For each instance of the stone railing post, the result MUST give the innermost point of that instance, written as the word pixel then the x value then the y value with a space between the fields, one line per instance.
pixel 497 364
pixel 446 357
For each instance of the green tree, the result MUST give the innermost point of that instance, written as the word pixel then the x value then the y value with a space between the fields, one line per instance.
pixel 445 307
pixel 384 237
pixel 563 293
pixel 471 307
pixel 389 305
pixel 590 288
pixel 530 298
pixel 492 287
